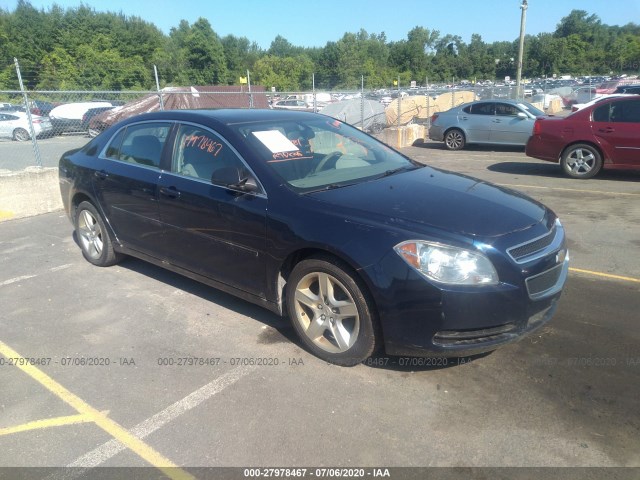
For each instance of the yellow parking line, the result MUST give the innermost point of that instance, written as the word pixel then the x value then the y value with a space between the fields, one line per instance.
pixel 46 423
pixel 570 189
pixel 110 426
pixel 605 275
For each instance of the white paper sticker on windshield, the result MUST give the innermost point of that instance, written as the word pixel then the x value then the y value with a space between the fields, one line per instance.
pixel 275 141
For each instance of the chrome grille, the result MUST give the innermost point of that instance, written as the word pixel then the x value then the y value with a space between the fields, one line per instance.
pixel 544 282
pixel 519 253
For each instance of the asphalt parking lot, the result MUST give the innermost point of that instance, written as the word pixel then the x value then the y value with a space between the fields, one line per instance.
pixel 134 366
pixel 16 156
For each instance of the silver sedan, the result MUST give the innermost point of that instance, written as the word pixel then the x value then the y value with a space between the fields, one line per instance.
pixel 497 122
pixel 15 125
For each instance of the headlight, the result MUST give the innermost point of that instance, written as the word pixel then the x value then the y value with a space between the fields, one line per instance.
pixel 450 265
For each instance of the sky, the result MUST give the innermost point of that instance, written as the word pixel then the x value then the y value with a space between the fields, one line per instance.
pixel 307 23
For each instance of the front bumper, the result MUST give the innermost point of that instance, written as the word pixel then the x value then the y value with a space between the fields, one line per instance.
pixel 458 342
pixel 419 318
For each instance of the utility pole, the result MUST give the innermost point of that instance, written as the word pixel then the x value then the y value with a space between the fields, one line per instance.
pixel 523 21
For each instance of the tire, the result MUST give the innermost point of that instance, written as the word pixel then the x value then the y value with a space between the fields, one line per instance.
pixel 581 161
pixel 331 312
pixel 93 237
pixel 21 135
pixel 454 139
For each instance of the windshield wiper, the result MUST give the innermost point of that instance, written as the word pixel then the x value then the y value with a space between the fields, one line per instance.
pixel 388 173
pixel 331 186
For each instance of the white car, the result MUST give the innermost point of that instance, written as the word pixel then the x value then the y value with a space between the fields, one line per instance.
pixel 15 125
pixel 68 117
pixel 579 106
pixel 585 95
pixel 291 104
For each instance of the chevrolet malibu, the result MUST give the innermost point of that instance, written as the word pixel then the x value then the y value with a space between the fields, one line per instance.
pixel 358 245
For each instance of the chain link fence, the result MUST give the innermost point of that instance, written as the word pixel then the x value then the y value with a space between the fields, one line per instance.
pixel 36 127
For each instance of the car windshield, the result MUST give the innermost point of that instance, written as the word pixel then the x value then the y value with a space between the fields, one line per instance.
pixel 321 153
pixel 536 112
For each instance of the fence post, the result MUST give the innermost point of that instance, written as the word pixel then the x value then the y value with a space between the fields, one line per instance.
pixel 398 118
pixel 362 102
pixel 32 132
pixel 313 90
pixel 250 93
pixel 155 72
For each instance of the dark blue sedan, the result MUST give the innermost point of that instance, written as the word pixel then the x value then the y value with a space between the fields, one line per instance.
pixel 358 245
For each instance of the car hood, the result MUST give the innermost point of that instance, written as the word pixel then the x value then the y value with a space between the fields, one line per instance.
pixel 440 199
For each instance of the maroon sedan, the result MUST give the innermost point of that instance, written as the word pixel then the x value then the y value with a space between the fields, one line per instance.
pixel 604 135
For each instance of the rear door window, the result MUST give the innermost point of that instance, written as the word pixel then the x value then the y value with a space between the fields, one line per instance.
pixel 487 108
pixel 140 144
pixel 601 114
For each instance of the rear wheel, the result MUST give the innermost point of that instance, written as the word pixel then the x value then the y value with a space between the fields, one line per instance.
pixel 20 135
pixel 581 161
pixel 93 237
pixel 330 311
pixel 454 139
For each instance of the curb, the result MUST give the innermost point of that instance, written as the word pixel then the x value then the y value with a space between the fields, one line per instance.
pixel 32 191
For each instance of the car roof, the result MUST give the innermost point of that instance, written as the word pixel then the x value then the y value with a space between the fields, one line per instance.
pixel 227 116
pixel 497 100
pixel 494 100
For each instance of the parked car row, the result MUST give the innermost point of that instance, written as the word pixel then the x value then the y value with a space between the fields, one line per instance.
pixel 50 119
pixel 604 133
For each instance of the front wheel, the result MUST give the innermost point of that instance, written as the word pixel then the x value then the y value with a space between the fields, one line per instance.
pixel 454 139
pixel 20 135
pixel 581 161
pixel 93 237
pixel 330 311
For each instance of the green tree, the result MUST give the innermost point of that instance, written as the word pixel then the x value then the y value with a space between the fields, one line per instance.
pixel 284 73
pixel 204 54
pixel 240 55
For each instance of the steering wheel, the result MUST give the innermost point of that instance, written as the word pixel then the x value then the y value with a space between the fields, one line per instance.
pixel 333 156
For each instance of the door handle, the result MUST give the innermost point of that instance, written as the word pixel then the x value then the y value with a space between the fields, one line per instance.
pixel 101 174
pixel 171 192
pixel 607 130
pixel 497 121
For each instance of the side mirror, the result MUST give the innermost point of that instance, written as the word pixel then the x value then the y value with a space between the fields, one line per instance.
pixel 231 177
pixel 522 115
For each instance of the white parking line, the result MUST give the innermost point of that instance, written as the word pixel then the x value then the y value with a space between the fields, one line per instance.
pixel 17 248
pixel 16 279
pixel 27 277
pixel 109 449
pixel 61 267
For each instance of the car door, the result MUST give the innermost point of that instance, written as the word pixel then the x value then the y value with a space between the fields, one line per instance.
pixel 617 125
pixel 126 182
pixel 212 230
pixel 510 128
pixel 476 120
